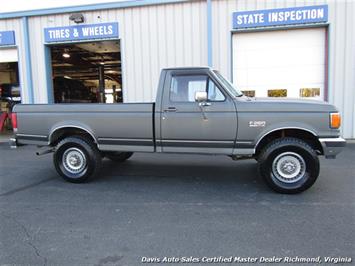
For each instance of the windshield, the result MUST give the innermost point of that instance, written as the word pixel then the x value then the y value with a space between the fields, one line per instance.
pixel 232 89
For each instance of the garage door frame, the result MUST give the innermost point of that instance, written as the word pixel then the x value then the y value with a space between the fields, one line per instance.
pixel 20 81
pixel 48 62
pixel 287 27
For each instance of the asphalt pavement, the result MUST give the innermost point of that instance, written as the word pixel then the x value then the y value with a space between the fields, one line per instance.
pixel 165 205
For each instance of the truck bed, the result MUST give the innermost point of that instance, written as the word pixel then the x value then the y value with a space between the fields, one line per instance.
pixel 109 124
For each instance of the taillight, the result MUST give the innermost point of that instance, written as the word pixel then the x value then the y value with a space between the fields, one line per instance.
pixel 14 121
pixel 335 120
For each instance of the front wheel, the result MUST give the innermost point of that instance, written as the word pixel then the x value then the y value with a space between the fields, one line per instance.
pixel 289 165
pixel 77 159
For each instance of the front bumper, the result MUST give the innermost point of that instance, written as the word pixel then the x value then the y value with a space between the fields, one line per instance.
pixel 332 146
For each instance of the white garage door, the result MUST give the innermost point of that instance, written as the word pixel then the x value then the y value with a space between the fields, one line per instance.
pixel 8 55
pixel 280 63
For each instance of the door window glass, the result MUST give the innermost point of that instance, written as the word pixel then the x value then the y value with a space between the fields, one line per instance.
pixel 213 93
pixel 183 88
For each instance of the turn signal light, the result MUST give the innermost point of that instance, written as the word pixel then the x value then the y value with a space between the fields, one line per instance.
pixel 335 120
pixel 14 121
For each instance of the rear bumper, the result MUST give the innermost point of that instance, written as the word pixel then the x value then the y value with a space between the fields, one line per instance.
pixel 332 146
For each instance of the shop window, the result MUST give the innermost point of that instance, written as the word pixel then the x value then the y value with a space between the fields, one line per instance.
pixel 249 93
pixel 277 93
pixel 309 92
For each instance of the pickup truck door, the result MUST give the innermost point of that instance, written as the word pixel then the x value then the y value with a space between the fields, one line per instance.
pixel 188 127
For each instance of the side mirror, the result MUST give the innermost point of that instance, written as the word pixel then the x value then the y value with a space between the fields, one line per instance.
pixel 200 96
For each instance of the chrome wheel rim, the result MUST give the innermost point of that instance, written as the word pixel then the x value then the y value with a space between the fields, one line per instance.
pixel 74 160
pixel 289 167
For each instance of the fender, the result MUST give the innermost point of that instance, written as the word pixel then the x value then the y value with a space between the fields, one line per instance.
pixel 70 124
pixel 274 128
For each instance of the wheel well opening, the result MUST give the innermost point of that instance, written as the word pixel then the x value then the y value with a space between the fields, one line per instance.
pixel 306 136
pixel 65 132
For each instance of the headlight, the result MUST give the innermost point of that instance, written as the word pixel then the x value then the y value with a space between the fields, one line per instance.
pixel 334 120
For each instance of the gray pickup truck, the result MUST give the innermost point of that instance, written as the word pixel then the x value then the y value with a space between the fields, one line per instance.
pixel 196 111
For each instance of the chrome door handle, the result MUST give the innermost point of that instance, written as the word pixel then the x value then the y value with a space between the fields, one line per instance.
pixel 170 109
pixel 203 104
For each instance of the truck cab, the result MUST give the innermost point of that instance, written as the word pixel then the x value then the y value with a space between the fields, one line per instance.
pixel 195 113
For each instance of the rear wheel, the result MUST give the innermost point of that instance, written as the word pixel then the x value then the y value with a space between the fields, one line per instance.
pixel 118 156
pixel 77 159
pixel 289 165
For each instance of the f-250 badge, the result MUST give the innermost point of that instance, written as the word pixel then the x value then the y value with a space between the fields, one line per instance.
pixel 257 123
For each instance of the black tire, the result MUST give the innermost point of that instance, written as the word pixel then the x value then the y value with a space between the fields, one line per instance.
pixel 82 150
pixel 118 156
pixel 283 158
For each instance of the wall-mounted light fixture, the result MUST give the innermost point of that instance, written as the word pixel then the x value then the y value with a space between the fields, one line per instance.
pixel 77 18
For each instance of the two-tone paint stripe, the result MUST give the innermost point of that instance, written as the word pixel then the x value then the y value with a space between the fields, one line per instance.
pixel 124 141
pixel 32 137
pixel 149 142
pixel 196 143
pixel 167 142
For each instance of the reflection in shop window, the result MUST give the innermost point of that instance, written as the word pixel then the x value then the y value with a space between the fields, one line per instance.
pixel 277 93
pixel 183 88
pixel 249 93
pixel 309 92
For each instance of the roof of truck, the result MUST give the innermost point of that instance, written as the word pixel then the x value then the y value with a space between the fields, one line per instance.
pixel 179 68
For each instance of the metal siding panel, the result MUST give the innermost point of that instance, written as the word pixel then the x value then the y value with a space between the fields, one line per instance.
pixel 202 33
pixel 352 83
pixel 161 40
pixel 137 54
pixel 341 60
pixel 153 47
pixel 348 97
pixel 86 8
pixel 34 26
pixel 179 35
pixel 195 25
pixel 118 15
pixel 16 25
pixel 145 62
pixel 169 32
pixel 22 69
pixel 187 29
pixel 127 41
